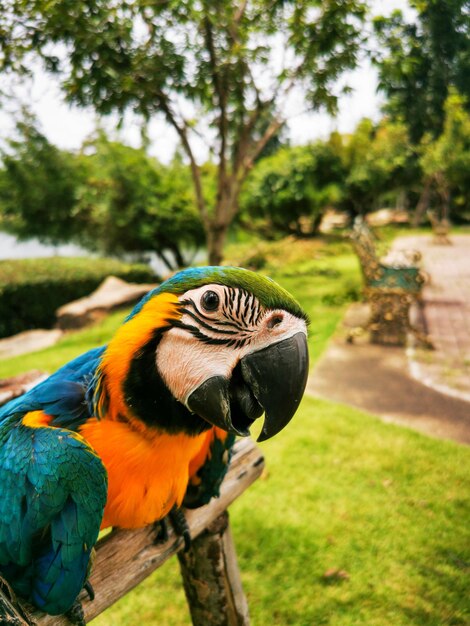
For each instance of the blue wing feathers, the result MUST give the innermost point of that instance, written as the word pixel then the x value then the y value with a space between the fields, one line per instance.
pixel 63 394
pixel 53 490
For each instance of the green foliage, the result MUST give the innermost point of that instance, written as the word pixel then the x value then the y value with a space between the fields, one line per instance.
pixel 446 160
pixel 38 188
pixel 423 59
pixel 31 290
pixel 378 159
pixel 112 64
pixel 289 191
pixel 110 198
pixel 137 204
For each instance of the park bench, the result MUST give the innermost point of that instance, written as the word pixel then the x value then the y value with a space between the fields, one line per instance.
pixel 391 285
pixel 209 569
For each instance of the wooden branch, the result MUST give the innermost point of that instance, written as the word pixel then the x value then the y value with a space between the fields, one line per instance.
pixel 11 612
pixel 272 129
pixel 181 129
pixel 126 557
pixel 240 11
pixel 221 96
pixel 212 580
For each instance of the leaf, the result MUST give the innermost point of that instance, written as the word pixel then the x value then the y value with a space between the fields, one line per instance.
pixel 335 575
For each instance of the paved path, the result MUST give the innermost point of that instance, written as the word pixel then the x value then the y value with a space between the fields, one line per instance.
pixel 447 313
pixel 425 390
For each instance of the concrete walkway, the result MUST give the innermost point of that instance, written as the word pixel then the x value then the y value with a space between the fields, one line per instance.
pixel 447 313
pixel 428 391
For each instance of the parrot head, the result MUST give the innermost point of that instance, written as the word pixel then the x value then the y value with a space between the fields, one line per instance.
pixel 231 346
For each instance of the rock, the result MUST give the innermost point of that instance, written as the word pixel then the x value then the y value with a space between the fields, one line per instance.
pixel 17 385
pixel 382 217
pixel 113 293
pixel 28 341
pixel 333 219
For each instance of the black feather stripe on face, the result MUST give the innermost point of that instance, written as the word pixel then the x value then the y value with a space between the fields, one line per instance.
pixel 150 400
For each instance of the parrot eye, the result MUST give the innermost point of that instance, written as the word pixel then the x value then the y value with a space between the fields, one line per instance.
pixel 210 301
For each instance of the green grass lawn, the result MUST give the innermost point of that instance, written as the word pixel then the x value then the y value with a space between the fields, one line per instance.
pixel 71 345
pixel 343 492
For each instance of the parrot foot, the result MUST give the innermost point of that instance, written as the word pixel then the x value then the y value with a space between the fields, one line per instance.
pixel 76 615
pixel 162 531
pixel 180 526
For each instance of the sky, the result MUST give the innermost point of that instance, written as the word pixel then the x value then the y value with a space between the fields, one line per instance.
pixel 67 126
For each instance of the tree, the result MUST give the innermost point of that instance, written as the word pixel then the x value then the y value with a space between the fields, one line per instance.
pixel 379 160
pixel 220 70
pixel 38 188
pixel 422 61
pixel 109 198
pixel 446 160
pixel 137 204
pixel 288 192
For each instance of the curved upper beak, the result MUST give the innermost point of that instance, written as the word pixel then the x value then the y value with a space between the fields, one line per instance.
pixel 277 376
pixel 271 380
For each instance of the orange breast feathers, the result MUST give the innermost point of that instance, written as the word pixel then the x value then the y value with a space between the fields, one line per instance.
pixel 147 475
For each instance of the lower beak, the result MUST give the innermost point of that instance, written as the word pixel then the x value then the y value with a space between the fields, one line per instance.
pixel 271 380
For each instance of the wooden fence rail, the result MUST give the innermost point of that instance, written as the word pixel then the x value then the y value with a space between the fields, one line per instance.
pixel 126 557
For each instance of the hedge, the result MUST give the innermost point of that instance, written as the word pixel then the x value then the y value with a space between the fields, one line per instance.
pixel 31 290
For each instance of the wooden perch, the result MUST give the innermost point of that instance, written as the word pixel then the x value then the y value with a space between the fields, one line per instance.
pixel 126 557
pixel 211 578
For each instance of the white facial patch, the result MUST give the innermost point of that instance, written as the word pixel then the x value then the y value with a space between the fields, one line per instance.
pixel 208 343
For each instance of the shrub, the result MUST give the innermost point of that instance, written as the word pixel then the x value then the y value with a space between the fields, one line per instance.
pixel 31 290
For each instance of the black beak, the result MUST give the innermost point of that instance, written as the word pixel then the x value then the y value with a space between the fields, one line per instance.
pixel 271 380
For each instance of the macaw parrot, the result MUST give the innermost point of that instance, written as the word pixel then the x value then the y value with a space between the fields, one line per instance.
pixel 129 432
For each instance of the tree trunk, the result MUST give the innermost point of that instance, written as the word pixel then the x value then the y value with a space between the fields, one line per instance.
pixel 423 204
pixel 316 223
pixel 178 255
pixel 212 580
pixel 216 236
pixel 444 193
pixel 165 260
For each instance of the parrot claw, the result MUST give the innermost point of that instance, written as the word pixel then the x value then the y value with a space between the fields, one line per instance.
pixel 76 615
pixel 180 526
pixel 89 589
pixel 162 531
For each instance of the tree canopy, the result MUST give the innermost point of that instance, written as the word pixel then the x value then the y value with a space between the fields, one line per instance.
pixel 289 191
pixel 422 59
pixel 445 161
pixel 109 197
pixel 221 70
pixel 378 159
pixel 137 204
pixel 39 187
